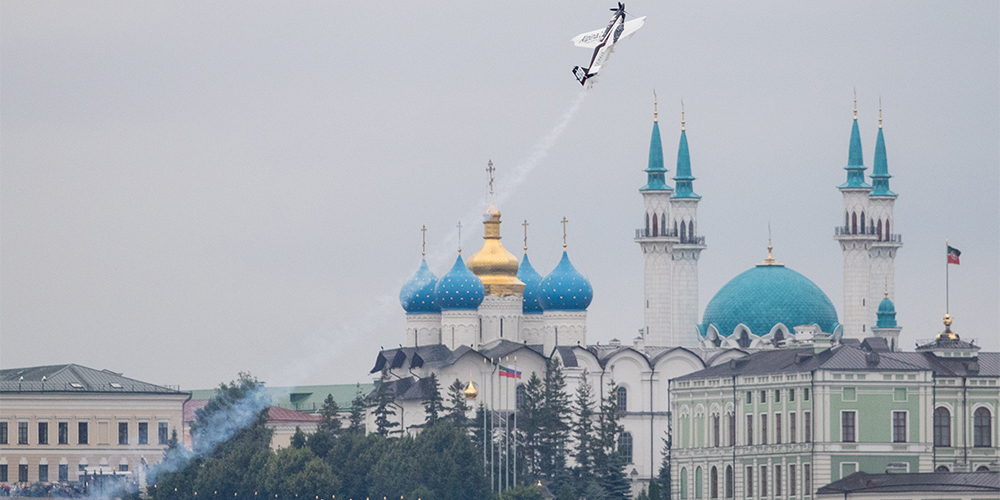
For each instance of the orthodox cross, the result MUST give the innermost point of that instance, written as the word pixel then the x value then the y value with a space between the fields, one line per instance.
pixel 525 234
pixel 459 237
pixel 564 221
pixel 490 170
pixel 423 240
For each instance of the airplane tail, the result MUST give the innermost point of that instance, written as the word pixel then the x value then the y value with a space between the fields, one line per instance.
pixel 581 75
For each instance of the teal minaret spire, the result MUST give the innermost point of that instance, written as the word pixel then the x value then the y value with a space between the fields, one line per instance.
pixel 684 178
pixel 880 168
pixel 855 161
pixel 655 171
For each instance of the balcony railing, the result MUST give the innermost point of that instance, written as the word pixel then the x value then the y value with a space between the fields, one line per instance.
pixel 868 231
pixel 644 233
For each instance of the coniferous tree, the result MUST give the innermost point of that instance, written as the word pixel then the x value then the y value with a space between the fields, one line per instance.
pixel 433 404
pixel 610 464
pixel 329 419
pixel 383 399
pixel 554 422
pixel 477 430
pixel 357 417
pixel 298 439
pixel 583 429
pixel 664 479
pixel 459 405
pixel 529 427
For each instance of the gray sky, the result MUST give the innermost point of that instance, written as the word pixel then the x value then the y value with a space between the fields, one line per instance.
pixel 191 189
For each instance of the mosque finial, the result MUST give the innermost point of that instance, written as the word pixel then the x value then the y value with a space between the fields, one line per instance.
pixel 459 226
pixel 769 261
pixel 490 170
pixel 682 115
pixel 423 241
pixel 564 221
pixel 855 104
pixel 879 112
pixel 887 288
pixel 525 224
pixel 655 117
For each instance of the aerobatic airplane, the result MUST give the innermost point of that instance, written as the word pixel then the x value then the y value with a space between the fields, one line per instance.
pixel 603 42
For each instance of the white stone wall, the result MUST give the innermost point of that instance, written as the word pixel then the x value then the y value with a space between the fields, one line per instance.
pixel 501 318
pixel 532 328
pixel 423 329
pixel 459 327
pixel 656 203
pixel 856 288
pixel 685 282
pixel 657 291
pixel 564 328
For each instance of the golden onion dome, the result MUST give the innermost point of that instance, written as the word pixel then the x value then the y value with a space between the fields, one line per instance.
pixel 493 264
pixel 471 392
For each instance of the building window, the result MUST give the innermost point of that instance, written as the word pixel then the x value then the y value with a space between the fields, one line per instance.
pixel 625 446
pixel 22 433
pixel 763 397
pixel 807 427
pixel 854 223
pixel 750 482
pixel 777 480
pixel 777 393
pixel 716 422
pixel 684 484
pixel 122 467
pixel 63 432
pixel 807 480
pixel 697 483
pixel 714 482
pixel 777 428
pixel 942 427
pixel 981 428
pixel 791 479
pixel 22 473
pixel 791 394
pixel 749 430
pixel 622 399
pixel 43 433
pixel 791 427
pixel 143 433
pixel 763 428
pixel 729 481
pixel 656 226
pixel 847 423
pixel 763 481
pixel 63 473
pixel 863 222
pixel 749 397
pixel 518 400
pixel 43 473
pixel 732 429
pixel 161 430
pixel 805 394
pixel 81 433
pixel 3 432
pixel 3 473
pixel 122 432
pixel 942 468
pixel 899 427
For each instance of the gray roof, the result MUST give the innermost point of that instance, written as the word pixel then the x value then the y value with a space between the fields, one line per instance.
pixel 436 356
pixel 74 378
pixel 861 482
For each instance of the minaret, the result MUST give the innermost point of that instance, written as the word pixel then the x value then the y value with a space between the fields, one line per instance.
pixel 885 325
pixel 856 237
pixel 882 253
pixel 685 253
pixel 656 240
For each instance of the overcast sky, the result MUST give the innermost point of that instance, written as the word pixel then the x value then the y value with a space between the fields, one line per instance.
pixel 192 189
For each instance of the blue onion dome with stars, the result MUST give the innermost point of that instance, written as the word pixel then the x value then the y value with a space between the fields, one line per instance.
pixel 532 285
pixel 417 295
pixel 459 289
pixel 565 289
pixel 766 295
pixel 886 314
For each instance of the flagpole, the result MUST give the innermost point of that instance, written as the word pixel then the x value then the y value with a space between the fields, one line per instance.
pixel 483 403
pixel 946 291
pixel 506 434
pixel 515 421
pixel 492 424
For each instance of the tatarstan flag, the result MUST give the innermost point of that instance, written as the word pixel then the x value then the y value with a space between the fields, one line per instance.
pixel 509 372
pixel 953 254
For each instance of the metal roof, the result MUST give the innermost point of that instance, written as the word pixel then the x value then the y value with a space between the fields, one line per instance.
pixel 74 378
pixel 861 482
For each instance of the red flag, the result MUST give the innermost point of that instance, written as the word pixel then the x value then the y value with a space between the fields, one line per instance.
pixel 953 255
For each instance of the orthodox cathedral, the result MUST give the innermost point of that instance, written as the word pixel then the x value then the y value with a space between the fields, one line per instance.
pixel 495 309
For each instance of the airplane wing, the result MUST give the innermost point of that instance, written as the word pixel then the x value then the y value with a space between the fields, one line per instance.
pixel 590 39
pixel 631 27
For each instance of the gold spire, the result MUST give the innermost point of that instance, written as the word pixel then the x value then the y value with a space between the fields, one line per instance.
pixel 471 392
pixel 855 103
pixel 525 224
pixel 887 288
pixel 879 112
pixel 769 261
pixel 493 264
pixel 459 226
pixel 947 334
pixel 564 221
pixel 423 241
pixel 682 115
pixel 655 118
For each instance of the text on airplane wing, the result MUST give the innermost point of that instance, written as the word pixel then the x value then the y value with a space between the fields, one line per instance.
pixel 589 39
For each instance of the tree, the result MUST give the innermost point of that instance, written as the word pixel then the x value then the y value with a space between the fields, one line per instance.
pixel 665 472
pixel 566 492
pixel 553 422
pixel 383 400
pixel 529 421
pixel 433 404
pixel 583 429
pixel 459 405
pixel 523 492
pixel 609 463
pixel 357 417
pixel 297 472
pixel 329 419
pixel 298 440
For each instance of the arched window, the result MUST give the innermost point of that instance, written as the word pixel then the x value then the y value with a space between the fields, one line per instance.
pixel 714 482
pixel 684 483
pixel 982 422
pixel 862 222
pixel 691 229
pixel 847 221
pixel 622 399
pixel 501 327
pixel 744 339
pixel 655 226
pixel 942 427
pixel 647 225
pixel 683 232
pixel 697 483
pixel 880 230
pixel 887 230
pixel 778 337
pixel 941 468
pixel 625 446
pixel 729 481
pixel 519 395
pixel 663 224
pixel 675 228
pixel 982 468
pixel 716 423
pixel 854 223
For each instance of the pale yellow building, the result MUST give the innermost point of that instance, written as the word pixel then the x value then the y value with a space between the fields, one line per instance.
pixel 59 421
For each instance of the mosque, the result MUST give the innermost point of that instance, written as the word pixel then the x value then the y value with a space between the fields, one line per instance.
pixel 496 309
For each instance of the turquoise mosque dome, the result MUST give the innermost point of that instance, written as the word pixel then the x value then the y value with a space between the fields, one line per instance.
pixel 766 295
pixel 886 314
pixel 459 289
pixel 565 289
pixel 532 284
pixel 417 295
